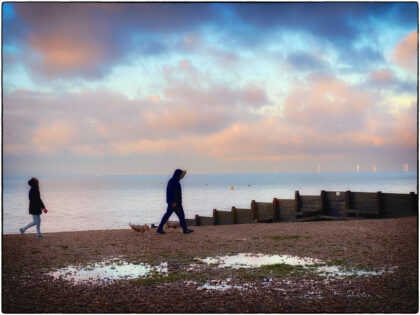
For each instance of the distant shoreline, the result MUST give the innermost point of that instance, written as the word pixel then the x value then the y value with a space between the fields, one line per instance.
pixel 48 176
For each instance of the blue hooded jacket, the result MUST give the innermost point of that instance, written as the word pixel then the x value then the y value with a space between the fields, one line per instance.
pixel 35 203
pixel 173 190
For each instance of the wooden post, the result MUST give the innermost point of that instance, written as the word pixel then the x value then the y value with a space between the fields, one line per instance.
pixel 380 204
pixel 297 201
pixel 348 204
pixel 254 210
pixel 197 220
pixel 414 203
pixel 234 215
pixel 276 207
pixel 324 210
pixel 215 217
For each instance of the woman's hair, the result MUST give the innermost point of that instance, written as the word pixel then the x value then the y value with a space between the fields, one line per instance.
pixel 33 182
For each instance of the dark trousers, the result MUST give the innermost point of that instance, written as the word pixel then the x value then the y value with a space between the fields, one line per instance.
pixel 179 212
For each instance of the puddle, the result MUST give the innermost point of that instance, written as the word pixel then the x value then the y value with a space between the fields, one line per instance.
pixel 223 285
pixel 112 269
pixel 218 285
pixel 246 260
pixel 258 260
pixel 118 268
pixel 305 289
pixel 335 272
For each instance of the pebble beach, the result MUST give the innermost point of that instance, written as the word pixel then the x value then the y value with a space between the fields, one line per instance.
pixel 386 250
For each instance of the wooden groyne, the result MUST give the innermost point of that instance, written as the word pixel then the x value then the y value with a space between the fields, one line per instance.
pixel 328 205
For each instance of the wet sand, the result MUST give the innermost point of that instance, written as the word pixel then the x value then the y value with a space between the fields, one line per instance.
pixel 386 244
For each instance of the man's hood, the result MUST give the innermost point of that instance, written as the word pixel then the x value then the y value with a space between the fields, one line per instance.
pixel 177 174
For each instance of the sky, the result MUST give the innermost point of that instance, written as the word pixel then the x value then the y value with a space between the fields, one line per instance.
pixel 144 88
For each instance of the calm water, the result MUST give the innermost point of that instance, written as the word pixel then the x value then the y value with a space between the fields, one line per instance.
pixel 110 202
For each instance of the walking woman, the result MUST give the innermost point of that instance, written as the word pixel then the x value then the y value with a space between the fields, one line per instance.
pixel 35 207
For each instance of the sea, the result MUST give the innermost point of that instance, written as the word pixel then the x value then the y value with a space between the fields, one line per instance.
pixel 105 202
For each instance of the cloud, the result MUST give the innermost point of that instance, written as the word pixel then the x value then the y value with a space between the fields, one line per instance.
pixel 326 104
pixel 304 61
pixel 124 128
pixel 173 120
pixel 339 23
pixel 324 19
pixel 386 80
pixel 405 53
pixel 55 136
pixel 87 39
pixel 95 122
pixel 394 128
pixel 382 76
pixel 361 59
pixel 185 83
pixel 66 56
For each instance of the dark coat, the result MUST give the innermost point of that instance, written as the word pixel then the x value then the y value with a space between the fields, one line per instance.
pixel 35 203
pixel 173 190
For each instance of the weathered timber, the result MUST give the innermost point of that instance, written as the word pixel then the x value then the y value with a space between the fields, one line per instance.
pixel 287 209
pixel 365 205
pixel 254 210
pixel 242 216
pixel 335 203
pixel 310 205
pixel 276 210
pixel 222 217
pixel 327 206
pixel 324 205
pixel 399 205
pixel 206 220
pixel 263 211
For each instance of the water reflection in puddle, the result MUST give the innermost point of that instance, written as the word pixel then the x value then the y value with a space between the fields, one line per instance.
pixel 219 285
pixel 258 260
pixel 335 272
pixel 316 266
pixel 109 270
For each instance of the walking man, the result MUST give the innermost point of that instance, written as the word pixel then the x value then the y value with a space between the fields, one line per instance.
pixel 174 200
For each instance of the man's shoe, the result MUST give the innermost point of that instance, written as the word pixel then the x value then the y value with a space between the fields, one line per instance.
pixel 21 231
pixel 40 236
pixel 188 231
pixel 161 232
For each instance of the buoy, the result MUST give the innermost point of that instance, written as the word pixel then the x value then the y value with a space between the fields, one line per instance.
pixel 232 188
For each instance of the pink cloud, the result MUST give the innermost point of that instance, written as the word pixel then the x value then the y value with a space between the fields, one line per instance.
pixel 186 84
pixel 405 53
pixel 267 137
pixel 327 104
pixel 402 127
pixel 55 135
pixel 63 54
pixel 112 32
pixel 382 76
pixel 184 119
pixel 326 117
pixel 181 145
